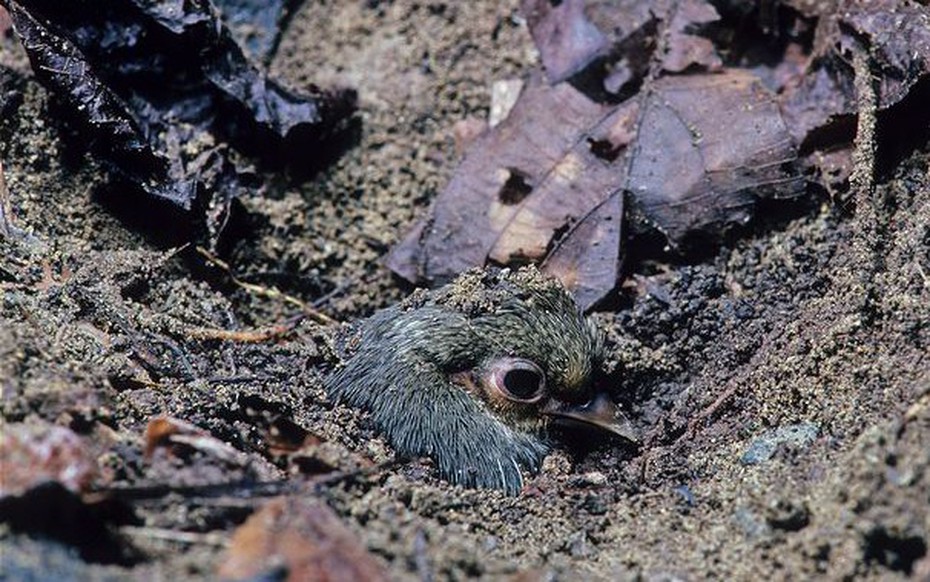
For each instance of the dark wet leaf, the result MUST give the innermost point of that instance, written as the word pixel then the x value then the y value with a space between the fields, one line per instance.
pixel 256 24
pixel 115 128
pixel 301 539
pixel 161 87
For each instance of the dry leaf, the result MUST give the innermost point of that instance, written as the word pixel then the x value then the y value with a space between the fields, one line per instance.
pixel 306 539
pixel 709 147
pixel 563 179
pixel 500 171
pixel 31 455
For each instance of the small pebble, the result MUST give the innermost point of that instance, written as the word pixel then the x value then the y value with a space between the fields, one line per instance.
pixel 595 478
pixel 796 436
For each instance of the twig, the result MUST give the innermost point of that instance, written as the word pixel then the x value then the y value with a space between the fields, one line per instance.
pixel 724 399
pixel 6 211
pixel 269 292
pixel 240 489
pixel 149 363
pixel 246 336
pixel 244 491
pixel 173 535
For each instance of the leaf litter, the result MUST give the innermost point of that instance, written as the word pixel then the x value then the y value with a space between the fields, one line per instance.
pixel 166 97
pixel 418 526
pixel 664 117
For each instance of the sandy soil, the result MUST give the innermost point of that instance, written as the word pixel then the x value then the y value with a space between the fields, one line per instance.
pixel 784 384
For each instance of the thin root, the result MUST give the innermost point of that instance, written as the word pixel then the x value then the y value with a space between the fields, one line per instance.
pixel 269 292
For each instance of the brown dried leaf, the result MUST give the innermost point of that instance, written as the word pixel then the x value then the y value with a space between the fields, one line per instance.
pixel 184 455
pixel 608 40
pixel 6 23
pixel 159 430
pixel 612 40
pixel 819 104
pixel 816 101
pixel 174 433
pixel 303 536
pixel 709 147
pixel 566 39
pixel 588 260
pixel 700 153
pixel 685 49
pixel 496 177
pixel 31 455
pixel 584 177
pixel 693 154
pixel 466 131
pixel 897 36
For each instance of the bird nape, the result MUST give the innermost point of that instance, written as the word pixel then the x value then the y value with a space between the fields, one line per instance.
pixel 474 373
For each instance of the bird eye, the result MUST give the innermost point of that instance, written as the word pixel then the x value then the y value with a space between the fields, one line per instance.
pixel 519 380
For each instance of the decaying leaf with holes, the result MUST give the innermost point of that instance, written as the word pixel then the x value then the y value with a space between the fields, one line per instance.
pixel 603 144
pixel 547 186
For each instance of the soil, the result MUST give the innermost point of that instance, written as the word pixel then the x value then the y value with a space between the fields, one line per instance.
pixel 782 385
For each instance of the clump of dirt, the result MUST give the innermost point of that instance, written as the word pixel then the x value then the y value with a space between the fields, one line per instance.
pixel 783 386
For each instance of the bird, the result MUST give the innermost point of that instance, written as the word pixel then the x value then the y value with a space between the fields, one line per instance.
pixel 476 374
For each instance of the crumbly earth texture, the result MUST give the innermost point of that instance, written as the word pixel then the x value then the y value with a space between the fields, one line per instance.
pixel 782 386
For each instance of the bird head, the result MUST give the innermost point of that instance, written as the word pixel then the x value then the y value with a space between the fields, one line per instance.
pixel 475 374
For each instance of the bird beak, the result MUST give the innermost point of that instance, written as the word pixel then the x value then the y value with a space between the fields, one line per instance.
pixel 600 412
